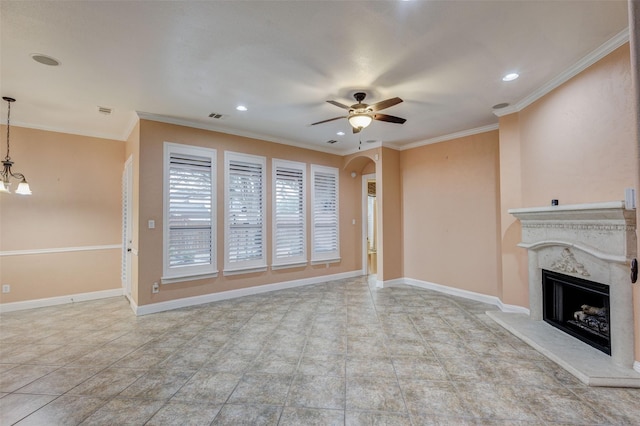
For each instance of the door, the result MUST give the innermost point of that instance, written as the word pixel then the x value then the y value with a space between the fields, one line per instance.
pixel 127 187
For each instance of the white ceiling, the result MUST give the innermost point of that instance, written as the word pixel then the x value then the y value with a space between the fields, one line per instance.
pixel 283 59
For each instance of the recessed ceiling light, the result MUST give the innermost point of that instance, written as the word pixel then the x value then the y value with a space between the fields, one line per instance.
pixel 241 108
pixel 510 77
pixel 340 133
pixel 501 105
pixel 45 60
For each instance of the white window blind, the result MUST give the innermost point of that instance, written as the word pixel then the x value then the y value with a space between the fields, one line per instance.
pixel 325 233
pixel 289 213
pixel 189 199
pixel 245 225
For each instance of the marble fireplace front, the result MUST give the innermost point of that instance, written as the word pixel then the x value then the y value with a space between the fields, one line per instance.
pixel 595 242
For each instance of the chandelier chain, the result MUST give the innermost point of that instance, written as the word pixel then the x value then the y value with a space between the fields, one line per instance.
pixel 8 128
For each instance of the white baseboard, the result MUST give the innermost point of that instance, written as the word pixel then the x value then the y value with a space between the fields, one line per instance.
pixel 59 300
pixel 471 295
pixel 513 308
pixel 232 294
pixel 636 366
pixel 390 283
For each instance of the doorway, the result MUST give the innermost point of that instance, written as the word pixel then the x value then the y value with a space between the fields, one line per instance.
pixel 369 225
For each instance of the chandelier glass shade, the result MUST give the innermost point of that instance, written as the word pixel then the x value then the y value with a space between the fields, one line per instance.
pixel 6 174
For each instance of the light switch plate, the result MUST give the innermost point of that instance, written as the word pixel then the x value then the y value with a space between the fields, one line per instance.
pixel 152 224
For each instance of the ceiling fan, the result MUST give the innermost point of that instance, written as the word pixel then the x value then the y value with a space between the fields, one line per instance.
pixel 361 115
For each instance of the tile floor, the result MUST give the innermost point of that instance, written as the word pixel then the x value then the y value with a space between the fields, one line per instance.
pixel 336 353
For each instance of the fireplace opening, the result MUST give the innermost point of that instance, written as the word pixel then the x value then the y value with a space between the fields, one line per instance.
pixel 578 307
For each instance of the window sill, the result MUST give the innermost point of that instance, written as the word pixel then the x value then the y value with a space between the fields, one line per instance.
pixel 171 280
pixel 240 271
pixel 289 265
pixel 321 261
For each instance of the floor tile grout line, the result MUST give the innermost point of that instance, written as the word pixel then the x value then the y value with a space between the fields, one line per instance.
pixel 348 294
pixel 293 376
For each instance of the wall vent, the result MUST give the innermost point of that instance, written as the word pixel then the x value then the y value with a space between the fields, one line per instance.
pixel 216 116
pixel 332 141
pixel 105 110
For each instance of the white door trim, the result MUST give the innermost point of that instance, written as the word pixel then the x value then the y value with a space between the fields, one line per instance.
pixel 365 220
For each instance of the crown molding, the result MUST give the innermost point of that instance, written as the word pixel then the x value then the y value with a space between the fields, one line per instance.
pixel 130 126
pixel 113 137
pixel 609 46
pixel 198 125
pixel 450 136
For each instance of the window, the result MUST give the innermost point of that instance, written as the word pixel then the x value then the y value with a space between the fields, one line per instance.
pixel 325 235
pixel 289 213
pixel 189 213
pixel 245 205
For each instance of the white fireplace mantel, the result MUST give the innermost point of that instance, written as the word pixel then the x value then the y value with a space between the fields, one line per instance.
pixel 597 242
pixel 606 231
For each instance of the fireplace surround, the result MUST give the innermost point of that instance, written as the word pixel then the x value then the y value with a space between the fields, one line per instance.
pixel 592 242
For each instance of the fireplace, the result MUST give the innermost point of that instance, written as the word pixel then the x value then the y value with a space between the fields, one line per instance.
pixel 584 253
pixel 578 307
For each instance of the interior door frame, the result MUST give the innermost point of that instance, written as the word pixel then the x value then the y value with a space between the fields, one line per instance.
pixel 365 220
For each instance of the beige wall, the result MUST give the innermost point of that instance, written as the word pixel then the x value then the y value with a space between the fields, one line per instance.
pixel 577 144
pixel 450 205
pixel 152 137
pixel 513 260
pixel 634 42
pixel 75 203
pixel 390 220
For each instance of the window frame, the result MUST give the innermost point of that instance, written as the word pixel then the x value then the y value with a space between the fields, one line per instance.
pixel 332 256
pixel 290 261
pixel 254 265
pixel 193 272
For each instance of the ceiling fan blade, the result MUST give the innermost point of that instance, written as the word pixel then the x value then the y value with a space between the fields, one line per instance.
pixel 385 104
pixel 326 121
pixel 389 118
pixel 356 130
pixel 338 104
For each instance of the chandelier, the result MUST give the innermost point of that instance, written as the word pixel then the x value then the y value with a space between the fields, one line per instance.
pixel 6 173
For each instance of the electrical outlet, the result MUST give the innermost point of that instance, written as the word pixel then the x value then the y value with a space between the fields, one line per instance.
pixel 6 288
pixel 155 288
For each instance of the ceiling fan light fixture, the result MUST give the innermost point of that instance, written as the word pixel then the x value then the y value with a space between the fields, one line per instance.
pixel 360 121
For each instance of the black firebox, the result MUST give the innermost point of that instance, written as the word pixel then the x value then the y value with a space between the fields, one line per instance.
pixel 578 307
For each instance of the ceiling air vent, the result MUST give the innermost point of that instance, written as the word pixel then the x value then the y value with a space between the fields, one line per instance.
pixel 216 116
pixel 332 141
pixel 105 110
